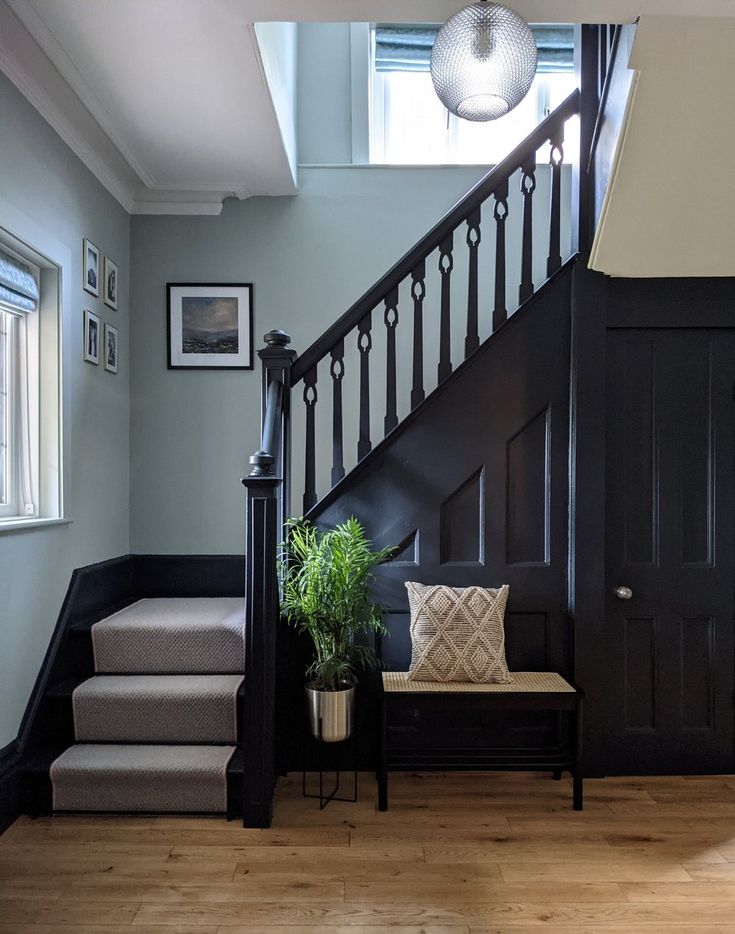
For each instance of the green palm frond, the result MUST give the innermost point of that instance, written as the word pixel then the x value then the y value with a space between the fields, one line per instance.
pixel 326 579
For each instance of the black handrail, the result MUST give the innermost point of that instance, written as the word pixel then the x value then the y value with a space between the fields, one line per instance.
pixel 433 239
pixel 270 436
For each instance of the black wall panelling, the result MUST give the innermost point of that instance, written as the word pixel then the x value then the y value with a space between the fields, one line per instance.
pixel 188 575
pixel 474 489
pixel 11 785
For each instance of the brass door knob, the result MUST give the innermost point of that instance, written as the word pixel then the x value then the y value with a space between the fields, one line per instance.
pixel 623 593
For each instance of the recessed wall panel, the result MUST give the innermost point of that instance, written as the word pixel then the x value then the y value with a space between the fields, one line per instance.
pixel 526 641
pixel 528 481
pixel 408 550
pixel 640 454
pixel 697 673
pixel 639 689
pixel 695 460
pixel 462 523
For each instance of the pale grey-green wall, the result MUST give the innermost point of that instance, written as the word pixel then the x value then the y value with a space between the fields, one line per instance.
pixel 324 94
pixel 309 258
pixel 49 198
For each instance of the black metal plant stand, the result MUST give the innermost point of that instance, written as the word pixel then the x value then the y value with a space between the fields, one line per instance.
pixel 333 795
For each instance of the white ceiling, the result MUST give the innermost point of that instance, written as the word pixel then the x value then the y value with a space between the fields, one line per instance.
pixel 178 88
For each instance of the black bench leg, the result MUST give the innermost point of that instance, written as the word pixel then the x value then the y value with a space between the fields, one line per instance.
pixel 383 758
pixel 577 789
pixel 577 793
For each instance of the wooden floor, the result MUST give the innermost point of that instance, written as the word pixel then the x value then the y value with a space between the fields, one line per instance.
pixel 455 854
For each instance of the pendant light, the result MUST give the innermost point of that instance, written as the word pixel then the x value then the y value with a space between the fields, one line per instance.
pixel 483 61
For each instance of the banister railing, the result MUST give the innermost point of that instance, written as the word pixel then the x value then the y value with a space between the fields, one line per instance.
pixel 488 185
pixel 460 228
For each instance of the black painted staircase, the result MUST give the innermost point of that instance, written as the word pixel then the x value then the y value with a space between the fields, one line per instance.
pixel 424 490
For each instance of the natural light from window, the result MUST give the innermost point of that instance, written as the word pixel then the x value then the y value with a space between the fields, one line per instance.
pixel 410 126
pixel 30 428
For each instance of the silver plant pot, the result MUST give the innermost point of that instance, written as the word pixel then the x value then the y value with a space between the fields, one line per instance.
pixel 331 713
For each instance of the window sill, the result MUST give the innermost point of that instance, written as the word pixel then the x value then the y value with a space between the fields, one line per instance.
pixel 22 525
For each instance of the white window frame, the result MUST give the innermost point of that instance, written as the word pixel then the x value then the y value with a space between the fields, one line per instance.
pixel 364 133
pixel 40 331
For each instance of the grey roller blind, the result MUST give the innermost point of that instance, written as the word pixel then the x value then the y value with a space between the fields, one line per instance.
pixel 407 46
pixel 18 287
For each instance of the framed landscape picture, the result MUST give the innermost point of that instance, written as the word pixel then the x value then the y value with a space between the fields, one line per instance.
pixel 210 326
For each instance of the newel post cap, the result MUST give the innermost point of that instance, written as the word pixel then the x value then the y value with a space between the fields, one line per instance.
pixel 277 338
pixel 261 464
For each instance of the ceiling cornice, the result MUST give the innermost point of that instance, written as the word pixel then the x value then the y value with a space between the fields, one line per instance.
pixel 75 114
pixel 29 69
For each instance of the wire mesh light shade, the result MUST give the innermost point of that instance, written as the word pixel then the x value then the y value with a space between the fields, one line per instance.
pixel 483 61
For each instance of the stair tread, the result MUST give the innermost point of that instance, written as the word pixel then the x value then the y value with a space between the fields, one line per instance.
pixel 158 756
pixel 170 635
pixel 141 778
pixel 124 685
pixel 157 708
pixel 63 690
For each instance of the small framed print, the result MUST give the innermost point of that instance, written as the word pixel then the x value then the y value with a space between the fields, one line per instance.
pixel 110 358
pixel 90 267
pixel 110 279
pixel 210 327
pixel 91 337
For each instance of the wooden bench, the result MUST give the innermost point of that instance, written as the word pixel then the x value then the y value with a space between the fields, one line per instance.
pixel 529 690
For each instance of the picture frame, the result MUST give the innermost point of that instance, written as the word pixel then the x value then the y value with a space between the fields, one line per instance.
pixel 90 268
pixel 210 326
pixel 110 282
pixel 92 337
pixel 110 348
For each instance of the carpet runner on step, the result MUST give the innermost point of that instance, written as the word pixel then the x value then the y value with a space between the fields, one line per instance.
pixel 156 726
pixel 101 777
pixel 157 709
pixel 168 636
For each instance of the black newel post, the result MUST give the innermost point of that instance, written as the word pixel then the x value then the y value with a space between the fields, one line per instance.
pixel 266 507
pixel 277 360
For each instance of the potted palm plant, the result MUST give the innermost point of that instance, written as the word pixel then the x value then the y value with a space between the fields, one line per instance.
pixel 326 575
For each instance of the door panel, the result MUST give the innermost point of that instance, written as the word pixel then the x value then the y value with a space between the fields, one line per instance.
pixel 670 490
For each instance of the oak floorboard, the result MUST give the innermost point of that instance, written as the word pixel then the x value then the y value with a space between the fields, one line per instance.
pixel 344 929
pixel 15 927
pixel 475 891
pixel 274 887
pixel 254 856
pixel 114 867
pixel 52 911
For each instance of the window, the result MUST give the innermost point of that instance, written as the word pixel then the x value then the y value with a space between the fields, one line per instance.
pixel 22 488
pixel 409 125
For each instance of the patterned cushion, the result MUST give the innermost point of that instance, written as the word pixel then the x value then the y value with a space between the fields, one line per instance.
pixel 457 633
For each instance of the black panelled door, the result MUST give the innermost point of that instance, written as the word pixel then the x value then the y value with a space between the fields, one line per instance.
pixel 670 558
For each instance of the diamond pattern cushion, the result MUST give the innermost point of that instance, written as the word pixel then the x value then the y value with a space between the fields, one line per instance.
pixel 457 633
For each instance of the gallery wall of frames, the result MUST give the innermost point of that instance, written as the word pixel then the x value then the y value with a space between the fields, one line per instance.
pixel 100 280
